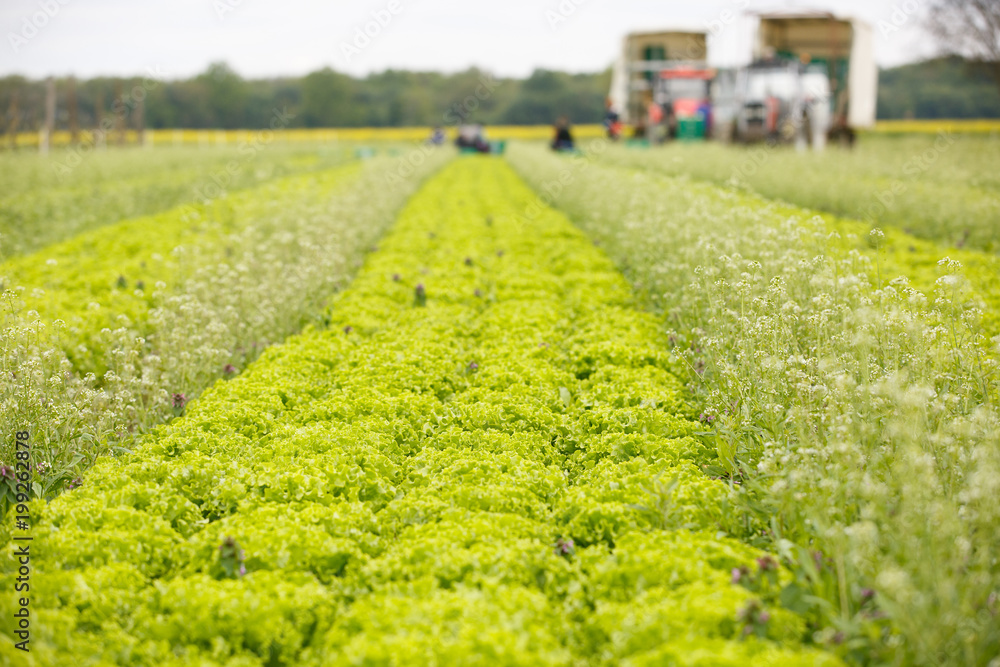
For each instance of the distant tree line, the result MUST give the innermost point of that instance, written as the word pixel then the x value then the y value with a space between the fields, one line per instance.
pixel 970 29
pixel 219 98
pixel 950 87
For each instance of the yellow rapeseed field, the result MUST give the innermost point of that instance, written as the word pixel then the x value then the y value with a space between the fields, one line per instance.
pixel 353 134
pixel 978 125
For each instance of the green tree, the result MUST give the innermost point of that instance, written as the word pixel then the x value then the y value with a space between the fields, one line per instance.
pixel 938 88
pixel 328 100
pixel 225 94
pixel 969 28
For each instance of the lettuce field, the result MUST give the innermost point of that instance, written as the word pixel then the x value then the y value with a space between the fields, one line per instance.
pixel 617 407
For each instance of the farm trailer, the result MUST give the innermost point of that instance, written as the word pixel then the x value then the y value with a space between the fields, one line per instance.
pixel 661 81
pixel 844 46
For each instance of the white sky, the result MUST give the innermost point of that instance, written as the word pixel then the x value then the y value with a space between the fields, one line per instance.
pixel 260 38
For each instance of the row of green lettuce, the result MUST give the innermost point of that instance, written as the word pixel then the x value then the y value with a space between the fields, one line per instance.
pixel 483 460
pixel 49 199
pixel 92 280
pixel 944 188
pixel 855 416
pixel 115 330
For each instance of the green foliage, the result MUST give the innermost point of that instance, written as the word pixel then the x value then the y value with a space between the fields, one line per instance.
pixel 547 95
pixel 92 280
pixel 943 188
pixel 219 98
pixel 958 211
pixel 502 474
pixel 225 94
pixel 950 87
pixel 326 99
pixel 855 415
pixel 48 200
pixel 113 331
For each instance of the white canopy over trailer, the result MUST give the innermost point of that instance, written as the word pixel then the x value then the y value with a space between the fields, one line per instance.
pixel 847 47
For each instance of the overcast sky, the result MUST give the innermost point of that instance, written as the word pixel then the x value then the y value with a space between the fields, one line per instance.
pixel 260 38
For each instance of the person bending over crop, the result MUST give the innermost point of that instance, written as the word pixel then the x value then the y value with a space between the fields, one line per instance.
pixel 563 140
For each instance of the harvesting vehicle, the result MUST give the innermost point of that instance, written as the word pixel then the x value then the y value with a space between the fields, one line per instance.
pixel 841 47
pixel 775 100
pixel 661 84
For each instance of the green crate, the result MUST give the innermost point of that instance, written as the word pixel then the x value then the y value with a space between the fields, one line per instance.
pixel 691 128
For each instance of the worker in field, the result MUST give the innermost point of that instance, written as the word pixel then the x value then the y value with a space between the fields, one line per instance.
pixel 472 138
pixel 671 125
pixel 466 138
pixel 705 112
pixel 655 116
pixel 437 137
pixel 612 121
pixel 483 144
pixel 563 139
